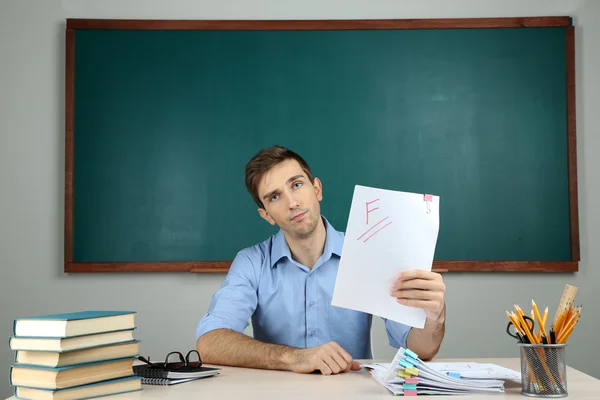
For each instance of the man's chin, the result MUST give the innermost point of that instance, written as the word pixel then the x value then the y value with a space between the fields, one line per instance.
pixel 303 232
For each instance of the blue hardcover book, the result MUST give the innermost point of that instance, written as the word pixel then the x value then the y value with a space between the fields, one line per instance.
pixel 90 391
pixel 73 324
pixel 41 377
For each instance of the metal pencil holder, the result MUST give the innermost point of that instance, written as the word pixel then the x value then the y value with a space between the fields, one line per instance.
pixel 543 370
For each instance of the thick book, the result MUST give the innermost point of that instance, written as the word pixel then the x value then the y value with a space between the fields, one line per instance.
pixel 92 390
pixel 73 324
pixel 69 344
pixel 74 357
pixel 149 371
pixel 39 377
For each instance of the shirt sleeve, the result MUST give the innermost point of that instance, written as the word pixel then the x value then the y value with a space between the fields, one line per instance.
pixel 397 333
pixel 234 303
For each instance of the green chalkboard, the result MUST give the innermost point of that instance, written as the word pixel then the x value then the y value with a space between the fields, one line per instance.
pixel 164 122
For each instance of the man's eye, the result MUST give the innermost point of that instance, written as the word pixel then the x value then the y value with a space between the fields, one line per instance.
pixel 274 197
pixel 297 185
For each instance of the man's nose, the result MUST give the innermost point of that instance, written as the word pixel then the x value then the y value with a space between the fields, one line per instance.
pixel 292 200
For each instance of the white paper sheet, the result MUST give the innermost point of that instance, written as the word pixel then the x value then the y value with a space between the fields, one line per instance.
pixel 476 370
pixel 388 232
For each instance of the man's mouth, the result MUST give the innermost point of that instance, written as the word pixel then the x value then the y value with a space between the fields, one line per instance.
pixel 298 216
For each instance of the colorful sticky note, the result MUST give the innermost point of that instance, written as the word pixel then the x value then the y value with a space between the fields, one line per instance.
pixel 409 352
pixel 412 361
pixel 404 374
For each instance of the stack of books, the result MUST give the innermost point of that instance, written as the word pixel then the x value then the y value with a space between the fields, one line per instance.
pixel 74 356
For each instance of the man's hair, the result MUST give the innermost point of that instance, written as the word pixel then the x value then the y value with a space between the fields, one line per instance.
pixel 266 159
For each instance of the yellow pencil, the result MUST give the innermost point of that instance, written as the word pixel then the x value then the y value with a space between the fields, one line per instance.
pixel 563 339
pixel 572 320
pixel 544 318
pixel 538 318
pixel 513 319
pixel 532 339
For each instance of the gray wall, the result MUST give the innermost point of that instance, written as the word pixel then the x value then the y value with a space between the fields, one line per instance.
pixel 32 165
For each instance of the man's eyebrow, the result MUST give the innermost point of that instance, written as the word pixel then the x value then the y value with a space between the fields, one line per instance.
pixel 293 178
pixel 272 192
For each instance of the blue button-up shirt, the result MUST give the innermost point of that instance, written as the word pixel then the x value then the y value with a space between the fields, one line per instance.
pixel 290 304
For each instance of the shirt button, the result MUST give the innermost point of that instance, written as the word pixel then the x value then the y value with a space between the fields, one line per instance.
pixel 312 333
pixel 312 303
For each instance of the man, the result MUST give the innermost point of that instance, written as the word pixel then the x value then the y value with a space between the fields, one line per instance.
pixel 285 285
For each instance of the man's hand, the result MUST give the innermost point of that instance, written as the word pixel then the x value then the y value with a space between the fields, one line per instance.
pixel 423 289
pixel 329 358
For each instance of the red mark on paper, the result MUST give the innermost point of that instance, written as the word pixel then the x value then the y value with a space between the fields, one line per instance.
pixel 377 231
pixel 370 210
pixel 371 228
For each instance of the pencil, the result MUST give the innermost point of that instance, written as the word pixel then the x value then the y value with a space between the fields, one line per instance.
pixel 567 325
pixel 530 336
pixel 519 329
pixel 563 338
pixel 545 317
pixel 566 332
pixel 538 318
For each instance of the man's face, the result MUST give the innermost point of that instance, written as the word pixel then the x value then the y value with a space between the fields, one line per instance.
pixel 290 200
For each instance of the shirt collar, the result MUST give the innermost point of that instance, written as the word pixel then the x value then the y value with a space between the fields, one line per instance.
pixel 334 241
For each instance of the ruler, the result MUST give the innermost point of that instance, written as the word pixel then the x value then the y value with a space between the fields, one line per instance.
pixel 567 299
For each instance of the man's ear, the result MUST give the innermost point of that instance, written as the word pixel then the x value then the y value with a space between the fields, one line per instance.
pixel 265 215
pixel 318 188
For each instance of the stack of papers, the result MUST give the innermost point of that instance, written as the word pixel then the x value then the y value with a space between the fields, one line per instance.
pixel 407 375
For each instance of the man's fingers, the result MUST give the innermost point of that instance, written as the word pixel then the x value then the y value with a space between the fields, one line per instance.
pixel 355 366
pixel 344 365
pixel 415 294
pixel 347 357
pixel 332 364
pixel 421 284
pixel 416 303
pixel 325 370
pixel 418 274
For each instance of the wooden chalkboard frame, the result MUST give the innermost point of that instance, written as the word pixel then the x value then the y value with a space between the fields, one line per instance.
pixel 223 266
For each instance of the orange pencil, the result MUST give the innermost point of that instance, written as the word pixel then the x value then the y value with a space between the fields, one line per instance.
pixel 559 321
pixel 532 339
pixel 538 318
pixel 571 321
pixel 566 333
pixel 515 321
pixel 544 318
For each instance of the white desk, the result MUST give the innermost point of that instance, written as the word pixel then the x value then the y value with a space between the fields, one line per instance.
pixel 252 384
